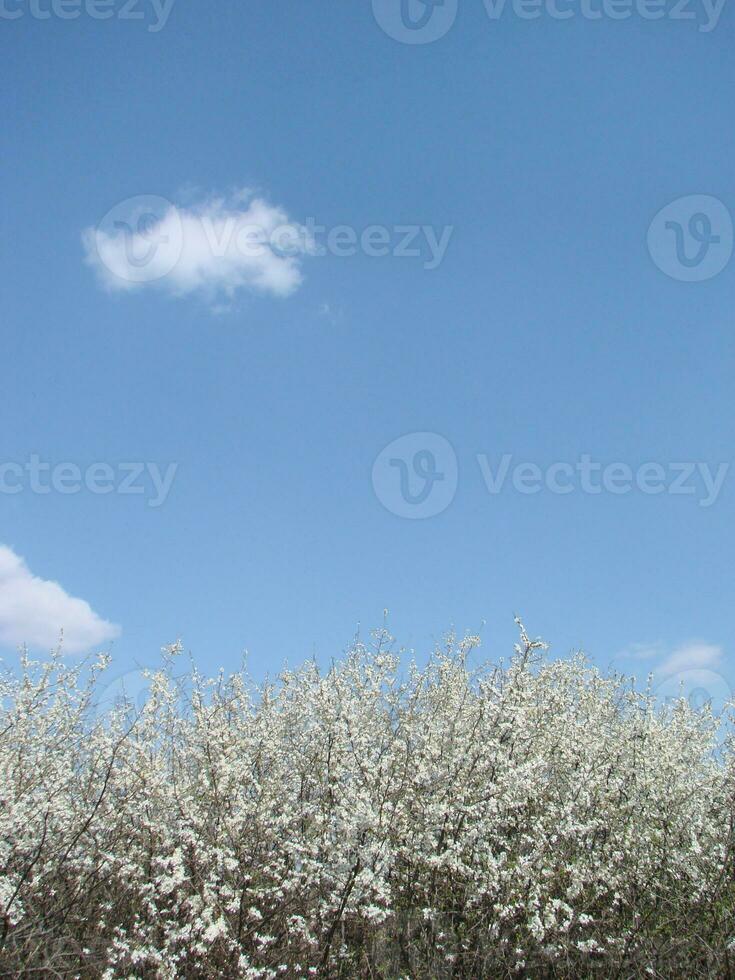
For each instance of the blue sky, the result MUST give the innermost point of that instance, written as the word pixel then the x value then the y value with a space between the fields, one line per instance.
pixel 553 327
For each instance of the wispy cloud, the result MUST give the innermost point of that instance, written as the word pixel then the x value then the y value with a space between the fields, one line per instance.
pixel 696 670
pixel 691 656
pixel 216 248
pixel 665 661
pixel 331 313
pixel 643 651
pixel 34 611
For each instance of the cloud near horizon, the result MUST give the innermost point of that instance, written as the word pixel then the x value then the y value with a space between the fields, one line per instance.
pixel 35 611
pixel 691 656
pixel 216 248
pixel 695 655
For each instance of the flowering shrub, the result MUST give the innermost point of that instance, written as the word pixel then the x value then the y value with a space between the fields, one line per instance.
pixel 534 819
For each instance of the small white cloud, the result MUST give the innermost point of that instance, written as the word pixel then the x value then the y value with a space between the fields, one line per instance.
pixel 34 611
pixel 216 248
pixel 642 651
pixel 663 663
pixel 695 671
pixel 692 656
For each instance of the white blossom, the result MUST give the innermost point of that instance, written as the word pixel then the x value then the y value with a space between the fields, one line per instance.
pixel 373 820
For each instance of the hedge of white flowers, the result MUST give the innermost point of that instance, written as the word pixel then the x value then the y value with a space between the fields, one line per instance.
pixel 378 819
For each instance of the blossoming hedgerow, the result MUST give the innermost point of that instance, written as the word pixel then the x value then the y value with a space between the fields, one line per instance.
pixel 530 819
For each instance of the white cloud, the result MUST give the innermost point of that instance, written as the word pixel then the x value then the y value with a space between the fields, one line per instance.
pixel 34 611
pixel 687 656
pixel 215 248
pixel 642 651
pixel 696 671
pixel 692 656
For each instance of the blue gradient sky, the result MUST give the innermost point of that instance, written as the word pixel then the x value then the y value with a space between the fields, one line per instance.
pixel 547 331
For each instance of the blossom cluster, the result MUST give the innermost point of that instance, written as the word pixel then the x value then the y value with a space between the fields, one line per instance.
pixel 533 818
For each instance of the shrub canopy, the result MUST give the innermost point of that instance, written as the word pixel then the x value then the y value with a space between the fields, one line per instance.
pixel 530 819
